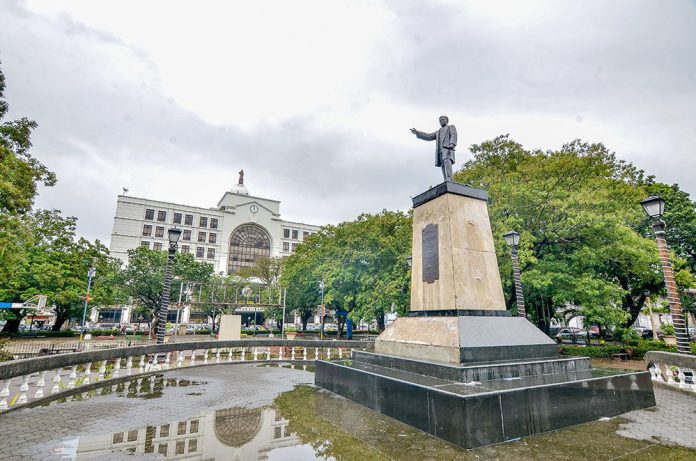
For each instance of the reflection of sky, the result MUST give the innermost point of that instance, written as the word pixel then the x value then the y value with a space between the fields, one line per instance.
pixel 296 453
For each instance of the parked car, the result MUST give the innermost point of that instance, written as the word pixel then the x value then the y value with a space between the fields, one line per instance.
pixel 571 334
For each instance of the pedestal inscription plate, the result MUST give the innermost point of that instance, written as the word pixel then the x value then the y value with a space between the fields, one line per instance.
pixel 431 255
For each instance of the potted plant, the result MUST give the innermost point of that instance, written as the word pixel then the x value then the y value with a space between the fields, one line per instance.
pixel 290 332
pixel 668 334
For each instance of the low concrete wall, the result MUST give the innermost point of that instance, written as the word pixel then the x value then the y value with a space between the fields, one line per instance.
pixel 670 358
pixel 23 367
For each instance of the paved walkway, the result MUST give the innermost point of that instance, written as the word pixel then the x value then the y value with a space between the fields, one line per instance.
pixel 671 422
pixel 43 433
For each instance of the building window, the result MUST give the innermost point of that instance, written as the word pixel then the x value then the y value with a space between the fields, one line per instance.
pixel 200 252
pixel 248 244
pixel 147 230
pixel 164 431
pixel 177 218
pixel 118 438
pixel 277 432
pixel 159 231
pixel 132 436
pixel 193 445
pixel 161 216
pixel 187 235
pixel 163 449
pixel 157 246
pixel 212 237
pixel 213 223
pixel 145 244
pixel 194 427
pixel 203 222
pixel 185 249
pixel 180 445
pixel 150 214
pixel 305 234
pixel 188 220
pixel 286 246
pixel 294 234
pixel 294 247
pixel 211 253
pixel 201 237
pixel 286 233
pixel 181 430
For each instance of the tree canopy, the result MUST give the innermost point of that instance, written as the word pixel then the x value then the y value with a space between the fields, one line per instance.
pixel 142 279
pixel 578 211
pixel 362 264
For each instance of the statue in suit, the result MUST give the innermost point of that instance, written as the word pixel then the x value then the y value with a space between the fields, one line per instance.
pixel 446 141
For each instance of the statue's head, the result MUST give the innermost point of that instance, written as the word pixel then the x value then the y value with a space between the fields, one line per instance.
pixel 443 120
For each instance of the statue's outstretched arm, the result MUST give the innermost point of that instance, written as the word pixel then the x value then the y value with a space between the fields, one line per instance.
pixel 424 136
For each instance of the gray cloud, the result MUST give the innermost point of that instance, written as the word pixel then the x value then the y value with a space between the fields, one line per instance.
pixel 626 66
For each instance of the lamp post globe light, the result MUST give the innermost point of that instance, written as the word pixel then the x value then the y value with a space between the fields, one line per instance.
pixel 655 207
pixel 512 238
pixel 173 235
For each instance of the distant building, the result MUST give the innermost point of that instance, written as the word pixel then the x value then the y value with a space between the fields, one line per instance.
pixel 234 234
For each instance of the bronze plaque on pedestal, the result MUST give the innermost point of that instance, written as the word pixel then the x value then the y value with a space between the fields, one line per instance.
pixel 431 257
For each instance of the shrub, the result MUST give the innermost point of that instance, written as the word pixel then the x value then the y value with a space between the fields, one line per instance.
pixel 626 335
pixel 602 352
pixel 637 348
pixel 49 334
pixel 667 329
pixel 4 356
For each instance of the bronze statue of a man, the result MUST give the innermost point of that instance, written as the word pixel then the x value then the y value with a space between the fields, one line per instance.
pixel 446 138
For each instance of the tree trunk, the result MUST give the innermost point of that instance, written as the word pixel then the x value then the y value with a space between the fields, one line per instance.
pixel 340 321
pixel 12 325
pixel 380 321
pixel 59 323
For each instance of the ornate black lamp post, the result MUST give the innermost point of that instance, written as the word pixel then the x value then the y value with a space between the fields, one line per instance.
pixel 655 207
pixel 174 235
pixel 513 239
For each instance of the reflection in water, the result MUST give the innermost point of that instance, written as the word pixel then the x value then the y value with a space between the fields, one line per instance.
pixel 233 433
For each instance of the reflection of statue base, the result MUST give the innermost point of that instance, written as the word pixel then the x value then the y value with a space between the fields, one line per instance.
pixel 460 366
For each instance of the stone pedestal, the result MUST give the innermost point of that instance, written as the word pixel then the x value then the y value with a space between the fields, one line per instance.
pixel 454 261
pixel 458 311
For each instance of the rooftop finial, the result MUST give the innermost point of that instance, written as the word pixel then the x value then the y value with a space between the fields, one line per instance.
pixel 241 178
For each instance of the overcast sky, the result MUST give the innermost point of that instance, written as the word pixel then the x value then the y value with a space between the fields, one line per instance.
pixel 314 99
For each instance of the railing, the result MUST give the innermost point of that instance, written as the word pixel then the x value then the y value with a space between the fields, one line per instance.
pixel 65 372
pixel 672 369
pixel 34 348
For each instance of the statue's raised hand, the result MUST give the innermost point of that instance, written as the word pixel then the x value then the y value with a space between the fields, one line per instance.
pixel 414 131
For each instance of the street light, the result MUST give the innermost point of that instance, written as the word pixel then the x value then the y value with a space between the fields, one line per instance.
pixel 655 207
pixel 173 235
pixel 321 330
pixel 513 239
pixel 90 275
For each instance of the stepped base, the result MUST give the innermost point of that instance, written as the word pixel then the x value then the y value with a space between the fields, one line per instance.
pixel 479 404
pixel 465 339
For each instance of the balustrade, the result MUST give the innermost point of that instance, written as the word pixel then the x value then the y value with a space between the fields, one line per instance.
pixel 66 372
pixel 672 369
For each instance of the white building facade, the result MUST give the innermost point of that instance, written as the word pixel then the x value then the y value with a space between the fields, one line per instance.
pixel 234 234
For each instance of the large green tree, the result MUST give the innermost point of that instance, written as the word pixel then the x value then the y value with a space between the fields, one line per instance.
pixel 362 264
pixel 20 173
pixel 142 279
pixel 578 210
pixel 55 264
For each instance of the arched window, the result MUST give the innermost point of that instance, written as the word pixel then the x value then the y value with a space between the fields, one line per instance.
pixel 248 243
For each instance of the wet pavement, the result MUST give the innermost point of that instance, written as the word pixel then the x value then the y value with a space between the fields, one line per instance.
pixel 274 413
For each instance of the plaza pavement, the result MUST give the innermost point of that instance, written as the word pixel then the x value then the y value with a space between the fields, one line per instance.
pixel 663 432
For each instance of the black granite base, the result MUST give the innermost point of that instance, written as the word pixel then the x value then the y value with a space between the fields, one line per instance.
pixel 473 414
